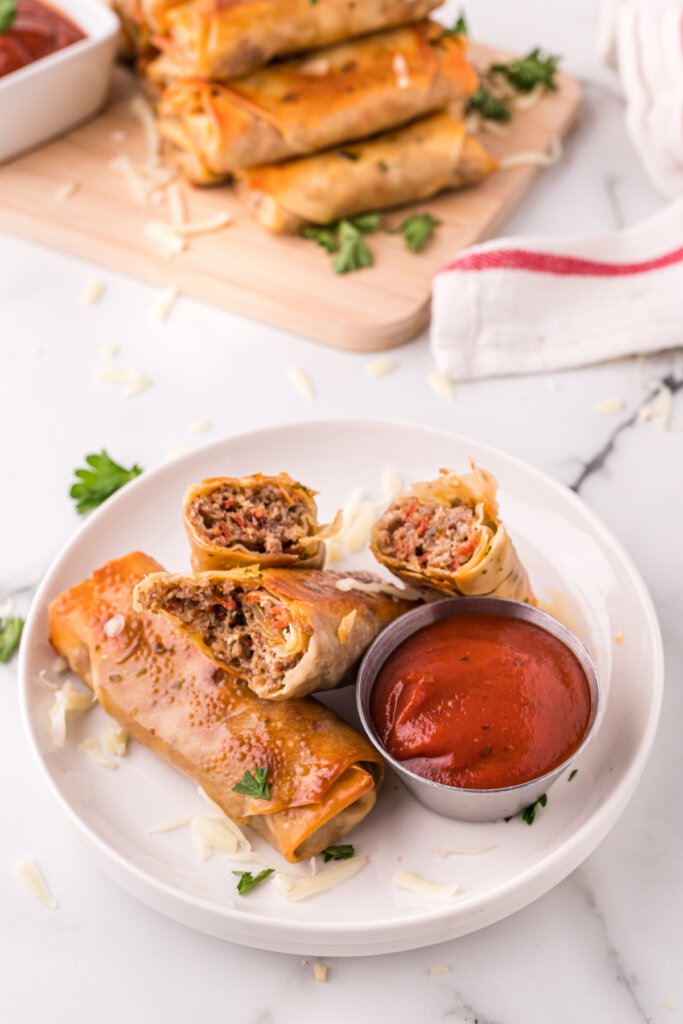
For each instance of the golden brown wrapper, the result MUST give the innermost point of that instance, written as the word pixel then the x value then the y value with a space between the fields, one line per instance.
pixel 307 553
pixel 493 569
pixel 301 106
pixel 216 39
pixel 320 637
pixel 154 682
pixel 404 166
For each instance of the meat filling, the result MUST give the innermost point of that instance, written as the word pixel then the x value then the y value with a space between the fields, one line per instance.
pixel 263 518
pixel 428 536
pixel 245 627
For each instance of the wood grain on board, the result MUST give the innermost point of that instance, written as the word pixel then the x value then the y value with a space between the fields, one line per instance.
pixel 284 281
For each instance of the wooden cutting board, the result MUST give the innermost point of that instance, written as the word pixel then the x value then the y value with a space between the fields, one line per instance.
pixel 285 281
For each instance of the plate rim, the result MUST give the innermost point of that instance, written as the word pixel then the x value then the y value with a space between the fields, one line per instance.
pixel 582 842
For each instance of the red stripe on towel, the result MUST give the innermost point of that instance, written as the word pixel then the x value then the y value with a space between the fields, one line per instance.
pixel 549 263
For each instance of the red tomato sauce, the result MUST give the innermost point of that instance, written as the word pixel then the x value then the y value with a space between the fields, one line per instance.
pixel 481 701
pixel 37 31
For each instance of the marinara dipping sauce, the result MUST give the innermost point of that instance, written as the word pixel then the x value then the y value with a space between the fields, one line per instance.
pixel 37 31
pixel 481 701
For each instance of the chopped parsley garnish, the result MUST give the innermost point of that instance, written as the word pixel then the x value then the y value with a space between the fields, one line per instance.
pixel 326 237
pixel 493 108
pixel 344 852
pixel 254 785
pixel 8 12
pixel 460 27
pixel 346 239
pixel 529 813
pixel 100 481
pixel 572 774
pixel 529 71
pixel 418 229
pixel 248 881
pixel 10 635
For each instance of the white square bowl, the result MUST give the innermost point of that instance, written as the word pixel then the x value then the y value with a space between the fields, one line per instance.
pixel 54 94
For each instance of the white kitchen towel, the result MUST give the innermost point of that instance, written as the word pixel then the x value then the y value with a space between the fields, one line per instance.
pixel 541 304
pixel 643 41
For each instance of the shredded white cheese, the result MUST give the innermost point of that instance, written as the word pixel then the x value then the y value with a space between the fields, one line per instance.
pixel 532 158
pixel 66 190
pixel 142 180
pixel 355 537
pixel 317 68
pixel 185 230
pixel 444 851
pixel 43 678
pixel 200 426
pixel 345 626
pixel 609 406
pixel 169 824
pixel 177 206
pixel 491 127
pixel 645 413
pixel 380 367
pixel 400 66
pixel 92 291
pixel 132 380
pixel 527 100
pixel 297 889
pixel 298 379
pixel 142 110
pixel 320 972
pixel 441 385
pixel 215 835
pixel 376 587
pixel 114 626
pixel 115 740
pixel 29 874
pixel 313 864
pixel 109 350
pixel 662 407
pixel 422 886
pixel 171 244
pixel 162 305
pixel 438 970
pixel 66 699
pixel 391 483
pixel 92 749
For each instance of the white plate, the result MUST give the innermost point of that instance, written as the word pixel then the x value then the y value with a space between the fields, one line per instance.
pixel 577 568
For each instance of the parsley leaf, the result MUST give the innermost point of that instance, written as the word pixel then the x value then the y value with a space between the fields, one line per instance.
pixel 572 774
pixel 353 252
pixel 323 236
pixel 247 881
pixel 101 481
pixel 365 222
pixel 418 229
pixel 254 785
pixel 525 73
pixel 345 852
pixel 529 813
pixel 10 635
pixel 460 27
pixel 489 106
pixel 8 12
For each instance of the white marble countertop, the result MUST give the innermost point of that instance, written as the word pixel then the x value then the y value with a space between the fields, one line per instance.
pixel 606 945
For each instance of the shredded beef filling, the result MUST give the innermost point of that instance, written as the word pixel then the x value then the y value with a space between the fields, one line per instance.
pixel 263 518
pixel 428 536
pixel 230 619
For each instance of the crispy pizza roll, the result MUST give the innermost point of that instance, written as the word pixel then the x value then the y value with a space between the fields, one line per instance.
pixel 322 774
pixel 286 632
pixel 404 166
pixel 219 39
pixel 446 534
pixel 254 520
pixel 301 106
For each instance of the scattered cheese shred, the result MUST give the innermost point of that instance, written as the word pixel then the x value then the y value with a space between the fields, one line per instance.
pixel 142 180
pixel 43 678
pixel 313 865
pixel 92 749
pixel 438 970
pixel 400 67
pixel 422 886
pixel 66 699
pixel 161 230
pixel 29 874
pixel 391 483
pixel 376 587
pixel 609 406
pixel 142 110
pixel 132 380
pixel 320 972
pixel 215 835
pixel 115 740
pixel 162 305
pixel 441 385
pixel 177 206
pixel 200 426
pixel 662 407
pixel 298 379
pixel 381 366
pixel 169 824
pixel 66 190
pixel 444 851
pixel 356 535
pixel 491 127
pixel 297 889
pixel 171 244
pixel 59 664
pixel 645 413
pixel 345 627
pixel 109 351
pixel 525 101
pixel 531 158
pixel 92 292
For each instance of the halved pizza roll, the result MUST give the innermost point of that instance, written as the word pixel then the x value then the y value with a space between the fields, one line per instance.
pixel 271 521
pixel 322 775
pixel 218 39
pixel 301 106
pixel 287 633
pixel 446 535
pixel 398 167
